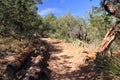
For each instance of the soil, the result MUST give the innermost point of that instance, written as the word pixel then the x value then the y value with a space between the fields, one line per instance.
pixel 67 62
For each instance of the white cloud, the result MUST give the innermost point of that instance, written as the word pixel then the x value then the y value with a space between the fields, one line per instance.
pixel 46 11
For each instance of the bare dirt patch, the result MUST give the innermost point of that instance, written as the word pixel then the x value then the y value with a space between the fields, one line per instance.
pixel 67 62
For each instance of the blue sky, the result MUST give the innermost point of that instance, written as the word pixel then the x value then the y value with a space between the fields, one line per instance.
pixel 60 7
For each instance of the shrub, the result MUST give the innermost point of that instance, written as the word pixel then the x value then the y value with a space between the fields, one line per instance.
pixel 108 65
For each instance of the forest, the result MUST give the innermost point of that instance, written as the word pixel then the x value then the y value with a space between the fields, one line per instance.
pixel 29 39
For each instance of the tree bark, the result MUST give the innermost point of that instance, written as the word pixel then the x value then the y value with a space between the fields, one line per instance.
pixel 14 66
pixel 107 41
pixel 109 38
pixel 33 72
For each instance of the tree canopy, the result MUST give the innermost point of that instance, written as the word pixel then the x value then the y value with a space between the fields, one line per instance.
pixel 18 15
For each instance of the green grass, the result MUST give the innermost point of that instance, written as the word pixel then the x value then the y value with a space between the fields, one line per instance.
pixel 109 66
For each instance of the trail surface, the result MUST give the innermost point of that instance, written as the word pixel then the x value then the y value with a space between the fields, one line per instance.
pixel 67 62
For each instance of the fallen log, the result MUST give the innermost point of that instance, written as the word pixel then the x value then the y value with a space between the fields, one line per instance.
pixel 29 64
pixel 6 60
pixel 3 61
pixel 34 70
pixel 1 73
pixel 14 65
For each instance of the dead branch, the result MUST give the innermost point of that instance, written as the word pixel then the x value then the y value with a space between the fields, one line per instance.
pixel 34 71
pixel 111 8
pixel 14 66
pixel 109 38
pixel 3 61
pixel 107 41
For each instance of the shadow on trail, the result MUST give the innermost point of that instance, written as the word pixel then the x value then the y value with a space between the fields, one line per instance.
pixel 54 49
pixel 65 56
pixel 61 69
pixel 87 72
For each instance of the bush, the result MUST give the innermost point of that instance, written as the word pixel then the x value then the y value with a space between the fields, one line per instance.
pixel 109 66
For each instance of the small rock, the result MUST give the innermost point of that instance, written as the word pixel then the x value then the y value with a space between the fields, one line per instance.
pixel 17 51
pixel 3 48
pixel 10 58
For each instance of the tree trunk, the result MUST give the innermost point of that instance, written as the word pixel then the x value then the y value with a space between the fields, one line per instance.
pixel 109 38
pixel 14 66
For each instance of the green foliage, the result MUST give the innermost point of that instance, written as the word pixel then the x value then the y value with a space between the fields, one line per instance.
pixel 48 24
pixel 63 26
pixel 99 23
pixel 109 65
pixel 68 26
pixel 114 68
pixel 49 18
pixel 19 15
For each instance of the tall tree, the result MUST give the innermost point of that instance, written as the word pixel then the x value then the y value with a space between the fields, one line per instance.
pixel 68 26
pixel 19 15
pixel 48 24
pixel 99 24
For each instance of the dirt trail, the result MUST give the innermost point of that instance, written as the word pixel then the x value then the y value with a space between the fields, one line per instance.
pixel 67 62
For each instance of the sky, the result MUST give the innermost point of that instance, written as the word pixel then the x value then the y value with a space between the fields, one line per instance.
pixel 61 7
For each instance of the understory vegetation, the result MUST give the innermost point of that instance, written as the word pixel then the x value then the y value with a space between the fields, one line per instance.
pixel 20 23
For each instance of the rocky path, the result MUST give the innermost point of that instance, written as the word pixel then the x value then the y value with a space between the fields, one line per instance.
pixel 67 62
